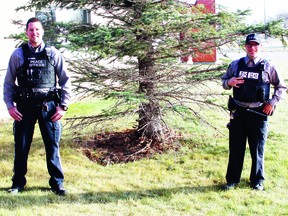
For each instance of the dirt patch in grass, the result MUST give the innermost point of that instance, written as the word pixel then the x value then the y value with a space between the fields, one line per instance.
pixel 125 146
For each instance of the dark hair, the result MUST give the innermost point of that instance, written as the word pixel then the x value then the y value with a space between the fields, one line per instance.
pixel 33 19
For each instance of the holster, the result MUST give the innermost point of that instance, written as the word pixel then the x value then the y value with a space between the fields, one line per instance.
pixel 231 103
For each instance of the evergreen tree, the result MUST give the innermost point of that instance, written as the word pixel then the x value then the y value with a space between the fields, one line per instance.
pixel 131 54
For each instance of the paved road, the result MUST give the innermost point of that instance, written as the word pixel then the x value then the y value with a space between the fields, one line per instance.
pixel 275 56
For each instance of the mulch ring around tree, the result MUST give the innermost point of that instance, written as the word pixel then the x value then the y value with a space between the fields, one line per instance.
pixel 122 147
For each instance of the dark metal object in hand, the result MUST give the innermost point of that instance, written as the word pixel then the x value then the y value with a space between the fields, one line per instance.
pixel 255 112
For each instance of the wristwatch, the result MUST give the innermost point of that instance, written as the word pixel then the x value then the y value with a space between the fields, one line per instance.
pixel 65 108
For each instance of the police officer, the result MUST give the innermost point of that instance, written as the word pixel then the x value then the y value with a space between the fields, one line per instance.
pixel 37 88
pixel 250 77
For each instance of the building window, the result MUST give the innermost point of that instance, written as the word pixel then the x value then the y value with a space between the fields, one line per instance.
pixel 53 14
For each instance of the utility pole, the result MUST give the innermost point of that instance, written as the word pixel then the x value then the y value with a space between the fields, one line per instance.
pixel 265 16
pixel 264 11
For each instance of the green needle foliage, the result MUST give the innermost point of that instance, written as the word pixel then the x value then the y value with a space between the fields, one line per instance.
pixel 131 54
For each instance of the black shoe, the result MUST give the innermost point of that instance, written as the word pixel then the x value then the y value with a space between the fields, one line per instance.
pixel 229 186
pixel 15 190
pixel 59 190
pixel 259 187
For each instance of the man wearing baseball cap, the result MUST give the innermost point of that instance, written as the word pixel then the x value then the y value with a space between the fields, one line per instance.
pixel 250 78
pixel 253 38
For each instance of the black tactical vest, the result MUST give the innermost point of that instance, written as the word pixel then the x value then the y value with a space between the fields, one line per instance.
pixel 253 89
pixel 37 70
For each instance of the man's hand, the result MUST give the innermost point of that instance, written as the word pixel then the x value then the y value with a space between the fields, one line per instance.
pixel 15 114
pixel 60 112
pixel 235 81
pixel 268 109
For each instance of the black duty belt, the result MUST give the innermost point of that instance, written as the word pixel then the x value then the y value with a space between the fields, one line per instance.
pixel 43 94
pixel 234 106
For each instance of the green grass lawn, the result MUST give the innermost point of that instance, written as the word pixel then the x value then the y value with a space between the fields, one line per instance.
pixel 187 182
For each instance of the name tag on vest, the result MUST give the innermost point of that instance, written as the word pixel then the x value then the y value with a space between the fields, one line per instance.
pixel 249 75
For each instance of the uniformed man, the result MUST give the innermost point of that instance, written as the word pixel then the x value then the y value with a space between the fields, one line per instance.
pixel 251 78
pixel 37 88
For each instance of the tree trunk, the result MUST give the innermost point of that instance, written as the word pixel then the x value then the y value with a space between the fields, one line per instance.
pixel 150 119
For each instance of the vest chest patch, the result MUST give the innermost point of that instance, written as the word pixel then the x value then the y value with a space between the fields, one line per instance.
pixel 249 75
pixel 33 62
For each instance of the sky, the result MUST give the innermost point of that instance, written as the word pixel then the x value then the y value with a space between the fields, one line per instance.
pixel 261 9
